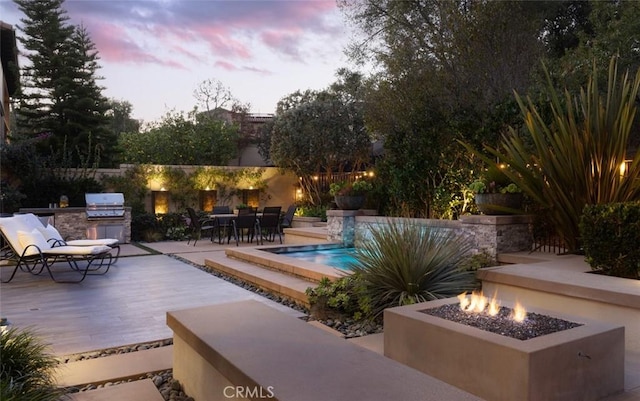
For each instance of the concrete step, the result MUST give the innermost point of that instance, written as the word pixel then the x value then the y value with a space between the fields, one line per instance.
pixel 114 368
pixel 139 390
pixel 271 280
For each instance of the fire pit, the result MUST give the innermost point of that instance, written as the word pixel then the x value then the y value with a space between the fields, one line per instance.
pixel 574 360
pixel 487 314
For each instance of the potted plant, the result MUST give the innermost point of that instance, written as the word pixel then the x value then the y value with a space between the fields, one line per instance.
pixel 350 195
pixel 495 194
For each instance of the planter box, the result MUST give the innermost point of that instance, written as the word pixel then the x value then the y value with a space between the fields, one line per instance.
pixel 300 221
pixel 583 363
pixel 349 202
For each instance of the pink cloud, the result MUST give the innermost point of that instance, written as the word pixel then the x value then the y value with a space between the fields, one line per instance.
pixel 260 71
pixel 232 67
pixel 222 43
pixel 123 48
pixel 285 42
pixel 226 65
pixel 153 32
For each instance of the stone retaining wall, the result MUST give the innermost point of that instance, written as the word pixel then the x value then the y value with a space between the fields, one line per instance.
pixel 490 234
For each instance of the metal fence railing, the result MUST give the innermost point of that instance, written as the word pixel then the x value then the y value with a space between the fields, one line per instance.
pixel 548 244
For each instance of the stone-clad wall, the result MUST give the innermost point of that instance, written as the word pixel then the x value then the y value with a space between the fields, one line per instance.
pixel 72 225
pixel 490 234
pixel 72 222
pixel 498 234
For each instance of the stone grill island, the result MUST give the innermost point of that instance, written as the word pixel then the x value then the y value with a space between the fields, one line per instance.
pixel 585 362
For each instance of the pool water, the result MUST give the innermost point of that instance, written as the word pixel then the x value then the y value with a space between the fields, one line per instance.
pixel 340 258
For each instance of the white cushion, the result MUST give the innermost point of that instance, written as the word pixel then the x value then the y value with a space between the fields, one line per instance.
pixel 33 237
pixel 92 242
pixel 50 232
pixel 77 250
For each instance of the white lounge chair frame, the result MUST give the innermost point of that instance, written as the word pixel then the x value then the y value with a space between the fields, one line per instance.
pixel 52 236
pixel 35 258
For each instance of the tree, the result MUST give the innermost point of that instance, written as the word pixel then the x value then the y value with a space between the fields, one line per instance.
pixel 182 139
pixel 216 97
pixel 321 131
pixel 60 93
pixel 84 119
pixel 120 119
pixel 438 81
pixel 46 44
pixel 597 30
pixel 213 94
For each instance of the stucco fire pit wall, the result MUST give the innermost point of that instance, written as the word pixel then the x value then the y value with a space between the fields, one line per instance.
pixel 582 363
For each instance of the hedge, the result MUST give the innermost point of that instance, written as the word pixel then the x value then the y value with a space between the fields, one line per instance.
pixel 610 237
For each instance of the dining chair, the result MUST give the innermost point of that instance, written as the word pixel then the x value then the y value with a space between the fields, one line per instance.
pixel 245 220
pixel 221 210
pixel 198 226
pixel 270 223
pixel 287 219
pixel 221 223
pixel 269 226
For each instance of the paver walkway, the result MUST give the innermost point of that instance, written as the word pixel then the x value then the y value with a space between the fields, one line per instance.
pixel 128 305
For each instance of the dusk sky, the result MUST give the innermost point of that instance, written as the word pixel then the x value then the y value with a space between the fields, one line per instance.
pixel 155 53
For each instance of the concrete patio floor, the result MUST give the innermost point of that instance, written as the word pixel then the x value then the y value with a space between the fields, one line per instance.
pixel 127 305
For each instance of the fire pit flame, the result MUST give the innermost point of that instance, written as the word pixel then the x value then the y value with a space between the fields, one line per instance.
pixel 519 312
pixel 478 303
pixel 494 306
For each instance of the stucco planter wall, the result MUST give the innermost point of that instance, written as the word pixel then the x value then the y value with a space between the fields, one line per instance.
pixel 302 221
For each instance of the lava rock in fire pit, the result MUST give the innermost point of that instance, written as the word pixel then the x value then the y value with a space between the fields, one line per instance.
pixel 535 325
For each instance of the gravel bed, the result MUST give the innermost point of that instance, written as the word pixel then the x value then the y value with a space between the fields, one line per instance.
pixel 351 328
pixel 534 325
pixel 169 388
pixel 116 350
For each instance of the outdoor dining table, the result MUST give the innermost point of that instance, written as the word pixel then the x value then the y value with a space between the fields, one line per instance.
pixel 224 221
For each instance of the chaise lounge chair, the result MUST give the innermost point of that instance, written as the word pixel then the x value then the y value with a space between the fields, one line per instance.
pixel 33 254
pixel 55 239
pixel 53 236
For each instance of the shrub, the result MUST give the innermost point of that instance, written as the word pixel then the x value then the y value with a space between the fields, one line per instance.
pixel 146 227
pixel 26 372
pixel 344 297
pixel 404 263
pixel 313 211
pixel 577 151
pixel 347 188
pixel 173 226
pixel 610 235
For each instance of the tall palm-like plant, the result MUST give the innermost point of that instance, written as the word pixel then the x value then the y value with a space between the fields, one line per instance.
pixel 577 156
pixel 403 262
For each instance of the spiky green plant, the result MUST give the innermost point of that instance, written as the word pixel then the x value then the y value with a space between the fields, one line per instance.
pixel 577 155
pixel 26 369
pixel 403 262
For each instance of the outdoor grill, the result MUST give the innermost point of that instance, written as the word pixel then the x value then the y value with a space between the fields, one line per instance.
pixel 105 206
pixel 105 216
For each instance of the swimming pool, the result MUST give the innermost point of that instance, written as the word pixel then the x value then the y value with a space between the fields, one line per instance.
pixel 334 256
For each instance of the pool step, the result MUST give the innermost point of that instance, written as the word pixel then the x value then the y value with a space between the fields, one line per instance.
pixel 303 269
pixel 278 282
